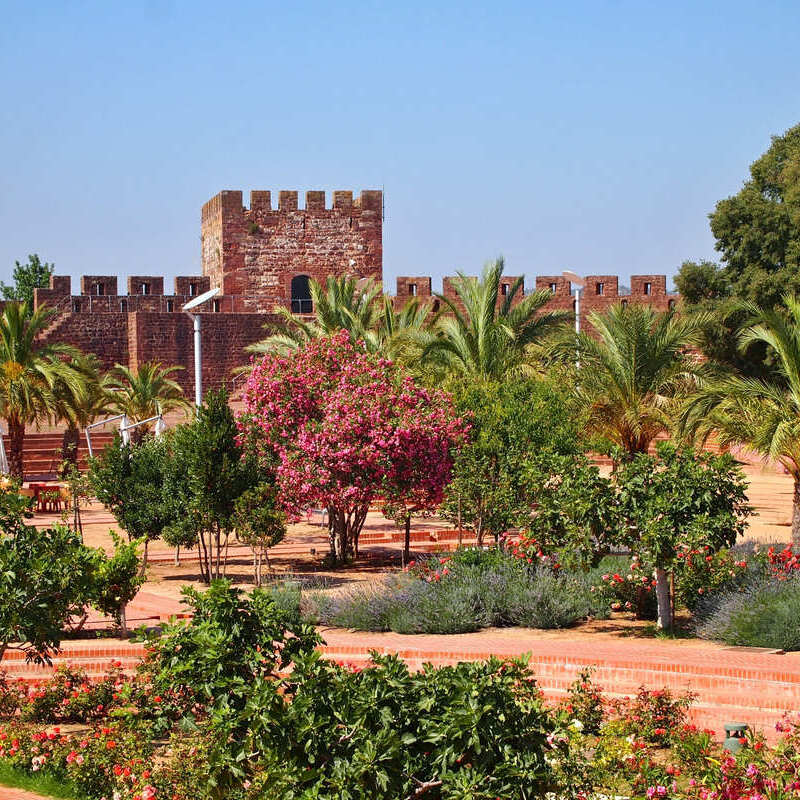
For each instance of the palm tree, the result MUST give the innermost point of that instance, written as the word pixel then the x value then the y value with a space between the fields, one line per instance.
pixel 633 372
pixel 145 392
pixel 758 413
pixel 343 303
pixel 478 337
pixel 79 409
pixel 29 370
pixel 398 332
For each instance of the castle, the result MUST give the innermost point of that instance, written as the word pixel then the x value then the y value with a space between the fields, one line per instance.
pixel 262 257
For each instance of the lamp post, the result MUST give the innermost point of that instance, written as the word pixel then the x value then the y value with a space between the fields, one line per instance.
pixel 198 356
pixel 579 282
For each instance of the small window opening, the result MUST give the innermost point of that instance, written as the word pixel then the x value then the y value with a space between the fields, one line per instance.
pixel 504 289
pixel 192 289
pixel 412 289
pixel 301 295
pixel 144 288
pixel 123 306
pixel 671 305
pixel 600 288
pixel 170 306
pixel 99 289
pixel 624 303
pixel 435 306
pixel 216 306
pixel 553 287
pixel 648 288
pixel 76 306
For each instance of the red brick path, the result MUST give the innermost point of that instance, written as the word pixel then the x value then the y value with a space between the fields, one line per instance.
pixel 18 794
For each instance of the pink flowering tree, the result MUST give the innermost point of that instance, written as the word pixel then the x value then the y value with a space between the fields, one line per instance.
pixel 346 429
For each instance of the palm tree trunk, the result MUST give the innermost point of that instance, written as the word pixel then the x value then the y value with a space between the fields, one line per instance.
pixel 16 442
pixel 796 515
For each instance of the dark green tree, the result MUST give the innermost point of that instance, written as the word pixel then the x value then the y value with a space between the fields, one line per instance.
pixel 27 277
pixel 677 500
pixel 118 578
pixel 129 481
pixel 706 293
pixel 209 470
pixel 46 577
pixel 260 523
pixel 758 229
pixel 702 282
pixel 513 424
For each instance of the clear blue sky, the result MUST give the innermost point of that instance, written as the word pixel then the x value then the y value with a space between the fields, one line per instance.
pixel 594 136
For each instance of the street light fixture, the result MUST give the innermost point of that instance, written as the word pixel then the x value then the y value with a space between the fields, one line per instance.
pixel 198 358
pixel 579 282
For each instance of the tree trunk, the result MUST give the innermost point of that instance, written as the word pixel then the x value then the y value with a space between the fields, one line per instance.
pixel 143 568
pixel 664 600
pixel 407 543
pixel 796 515
pixel 69 445
pixel 16 442
pixel 123 621
pixel 331 536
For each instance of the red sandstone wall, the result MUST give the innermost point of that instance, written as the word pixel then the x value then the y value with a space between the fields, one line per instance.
pixel 253 253
pixel 105 335
pixel 168 338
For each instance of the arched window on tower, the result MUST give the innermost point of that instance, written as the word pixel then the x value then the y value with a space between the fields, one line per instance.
pixel 301 295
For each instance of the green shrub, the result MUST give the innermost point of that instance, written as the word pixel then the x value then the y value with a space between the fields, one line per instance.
pixel 475 730
pixel 215 656
pixel 764 614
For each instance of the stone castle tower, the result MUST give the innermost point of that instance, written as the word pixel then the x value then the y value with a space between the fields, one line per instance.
pixel 265 256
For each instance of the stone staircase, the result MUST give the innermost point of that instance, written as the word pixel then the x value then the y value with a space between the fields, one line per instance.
pixel 732 684
pixel 42 452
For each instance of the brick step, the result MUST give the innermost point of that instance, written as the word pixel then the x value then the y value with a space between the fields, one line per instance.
pixel 759 702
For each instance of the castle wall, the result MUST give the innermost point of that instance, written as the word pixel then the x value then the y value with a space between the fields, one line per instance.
pixel 253 253
pixel 169 338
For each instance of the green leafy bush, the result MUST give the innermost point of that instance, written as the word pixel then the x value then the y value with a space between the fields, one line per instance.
pixel 475 730
pixel 584 702
pixel 46 577
pixel 117 580
pixel 230 639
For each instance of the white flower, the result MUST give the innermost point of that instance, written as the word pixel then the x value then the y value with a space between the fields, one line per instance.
pixel 577 724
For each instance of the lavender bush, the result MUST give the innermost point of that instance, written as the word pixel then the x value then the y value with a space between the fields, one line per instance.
pixel 763 614
pixel 473 593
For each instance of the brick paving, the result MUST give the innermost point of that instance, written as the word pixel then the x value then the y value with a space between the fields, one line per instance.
pixel 6 793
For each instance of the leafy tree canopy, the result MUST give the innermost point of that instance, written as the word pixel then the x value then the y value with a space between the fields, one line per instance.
pixel 705 290
pixel 27 277
pixel 512 425
pixel 758 229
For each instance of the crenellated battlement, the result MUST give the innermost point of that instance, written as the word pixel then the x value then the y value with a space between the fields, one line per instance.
pixel 230 201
